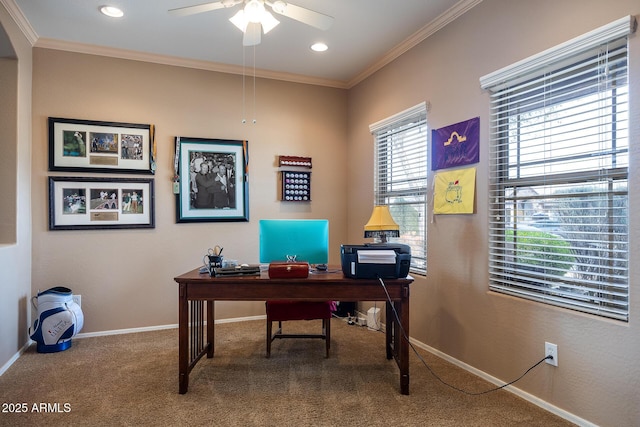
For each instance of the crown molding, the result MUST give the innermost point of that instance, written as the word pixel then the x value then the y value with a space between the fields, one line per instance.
pixel 132 55
pixel 416 38
pixel 20 20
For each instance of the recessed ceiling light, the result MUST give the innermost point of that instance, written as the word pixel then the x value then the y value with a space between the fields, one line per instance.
pixel 319 47
pixel 112 11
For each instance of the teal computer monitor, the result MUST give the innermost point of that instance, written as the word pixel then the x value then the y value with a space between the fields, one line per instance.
pixel 306 239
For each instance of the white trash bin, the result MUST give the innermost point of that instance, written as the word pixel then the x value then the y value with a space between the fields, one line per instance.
pixel 59 319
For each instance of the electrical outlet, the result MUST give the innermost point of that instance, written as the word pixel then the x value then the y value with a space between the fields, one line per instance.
pixel 551 350
pixel 77 299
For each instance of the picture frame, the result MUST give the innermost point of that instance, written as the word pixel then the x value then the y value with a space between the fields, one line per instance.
pixel 81 203
pixel 97 146
pixel 211 179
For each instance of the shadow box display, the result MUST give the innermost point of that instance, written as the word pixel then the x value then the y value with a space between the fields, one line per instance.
pixel 95 146
pixel 212 180
pixel 100 203
pixel 296 186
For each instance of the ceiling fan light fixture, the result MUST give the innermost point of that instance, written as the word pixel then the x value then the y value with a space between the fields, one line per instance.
pixel 254 11
pixel 279 6
pixel 268 22
pixel 239 20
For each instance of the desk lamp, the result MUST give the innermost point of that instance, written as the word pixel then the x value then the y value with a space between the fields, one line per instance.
pixel 381 225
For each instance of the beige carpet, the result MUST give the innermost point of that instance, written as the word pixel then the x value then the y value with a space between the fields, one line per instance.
pixel 133 380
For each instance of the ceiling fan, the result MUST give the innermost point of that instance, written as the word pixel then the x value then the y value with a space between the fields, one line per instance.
pixel 254 18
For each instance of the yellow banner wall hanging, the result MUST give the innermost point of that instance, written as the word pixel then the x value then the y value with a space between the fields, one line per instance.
pixel 454 191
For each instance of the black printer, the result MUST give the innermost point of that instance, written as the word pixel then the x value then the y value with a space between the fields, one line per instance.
pixel 375 260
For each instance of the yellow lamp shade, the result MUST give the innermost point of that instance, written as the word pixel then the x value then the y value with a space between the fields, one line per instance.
pixel 381 224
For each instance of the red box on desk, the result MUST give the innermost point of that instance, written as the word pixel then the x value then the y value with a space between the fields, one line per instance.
pixel 288 270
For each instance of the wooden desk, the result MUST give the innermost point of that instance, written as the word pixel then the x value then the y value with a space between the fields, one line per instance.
pixel 195 289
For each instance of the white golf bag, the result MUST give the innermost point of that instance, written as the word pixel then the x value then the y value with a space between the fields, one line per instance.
pixel 59 319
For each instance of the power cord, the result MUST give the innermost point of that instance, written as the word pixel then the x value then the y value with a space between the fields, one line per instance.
pixel 395 313
pixel 349 319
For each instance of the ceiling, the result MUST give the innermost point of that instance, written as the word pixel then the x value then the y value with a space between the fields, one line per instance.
pixel 366 34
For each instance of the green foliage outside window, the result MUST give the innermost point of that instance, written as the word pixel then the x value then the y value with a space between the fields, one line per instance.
pixel 541 252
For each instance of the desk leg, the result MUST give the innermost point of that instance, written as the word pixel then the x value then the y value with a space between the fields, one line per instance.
pixel 183 339
pixel 396 343
pixel 210 328
pixel 391 321
pixel 403 313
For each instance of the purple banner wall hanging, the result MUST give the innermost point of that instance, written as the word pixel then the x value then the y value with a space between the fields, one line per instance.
pixel 456 145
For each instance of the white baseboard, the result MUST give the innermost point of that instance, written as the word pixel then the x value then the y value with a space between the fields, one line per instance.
pixel 81 335
pixel 512 389
pixel 160 327
pixel 15 357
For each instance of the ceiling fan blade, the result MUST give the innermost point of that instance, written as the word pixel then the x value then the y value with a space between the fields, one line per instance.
pixel 252 34
pixel 199 8
pixel 307 16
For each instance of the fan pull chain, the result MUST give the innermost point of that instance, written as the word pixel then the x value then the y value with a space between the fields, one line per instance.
pixel 254 84
pixel 244 120
pixel 244 97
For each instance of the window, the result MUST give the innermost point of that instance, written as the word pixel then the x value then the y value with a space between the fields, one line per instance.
pixel 401 177
pixel 558 227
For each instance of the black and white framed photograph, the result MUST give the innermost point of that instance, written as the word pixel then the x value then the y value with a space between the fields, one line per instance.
pixel 213 181
pixel 96 146
pixel 77 203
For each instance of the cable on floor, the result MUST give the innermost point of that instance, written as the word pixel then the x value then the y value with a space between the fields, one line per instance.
pixel 395 313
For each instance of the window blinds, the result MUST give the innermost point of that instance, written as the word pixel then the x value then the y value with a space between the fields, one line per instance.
pixel 400 180
pixel 558 229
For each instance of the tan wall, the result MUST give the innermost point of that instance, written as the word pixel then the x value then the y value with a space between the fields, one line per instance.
pixel 8 147
pixel 452 309
pixel 15 250
pixel 125 277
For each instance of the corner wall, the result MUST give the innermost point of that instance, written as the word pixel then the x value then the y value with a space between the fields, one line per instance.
pixel 452 309
pixel 15 258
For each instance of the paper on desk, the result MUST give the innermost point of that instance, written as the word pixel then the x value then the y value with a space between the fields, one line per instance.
pixel 377 257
